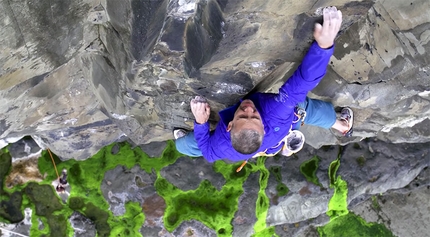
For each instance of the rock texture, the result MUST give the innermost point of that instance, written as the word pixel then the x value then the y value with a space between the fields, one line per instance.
pixel 396 209
pixel 79 75
pixel 387 183
pixel 368 167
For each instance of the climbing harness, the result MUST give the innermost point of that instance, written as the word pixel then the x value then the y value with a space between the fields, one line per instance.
pixel 292 143
pixel 300 113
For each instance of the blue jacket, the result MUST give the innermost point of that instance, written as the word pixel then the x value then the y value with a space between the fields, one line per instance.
pixel 276 110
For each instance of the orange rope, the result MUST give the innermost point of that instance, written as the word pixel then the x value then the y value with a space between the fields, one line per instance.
pixel 55 167
pixel 241 166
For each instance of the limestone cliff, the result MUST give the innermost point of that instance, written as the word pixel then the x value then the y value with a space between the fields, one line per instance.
pixel 79 75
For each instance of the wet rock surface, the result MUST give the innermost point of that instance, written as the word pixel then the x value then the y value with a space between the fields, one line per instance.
pixel 180 174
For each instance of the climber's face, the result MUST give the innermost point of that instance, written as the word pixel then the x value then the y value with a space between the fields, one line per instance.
pixel 246 117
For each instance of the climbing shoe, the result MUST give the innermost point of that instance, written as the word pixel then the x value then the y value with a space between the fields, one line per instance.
pixel 347 115
pixel 179 132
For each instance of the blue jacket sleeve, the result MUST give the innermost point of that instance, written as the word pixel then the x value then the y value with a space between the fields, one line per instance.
pixel 202 135
pixel 304 79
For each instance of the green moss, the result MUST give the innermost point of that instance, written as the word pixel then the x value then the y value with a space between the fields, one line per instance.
pixel 268 232
pixel 5 164
pixel 100 218
pixel 39 229
pixel 221 231
pixel 10 209
pixel 128 224
pixel 76 203
pixel 44 198
pixel 327 148
pixel 282 189
pixel 375 203
pixel 276 171
pixel 262 204
pixel 361 160
pixel 338 205
pixel 332 172
pixel 48 207
pixel 309 169
pixel 85 179
pixel 213 208
pixel 9 212
pixel 353 226
pixel 58 224
pixel 341 221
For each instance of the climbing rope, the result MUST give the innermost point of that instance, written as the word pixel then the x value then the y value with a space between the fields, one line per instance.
pixel 53 162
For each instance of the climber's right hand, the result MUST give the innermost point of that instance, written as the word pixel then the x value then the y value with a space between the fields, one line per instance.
pixel 201 109
pixel 326 33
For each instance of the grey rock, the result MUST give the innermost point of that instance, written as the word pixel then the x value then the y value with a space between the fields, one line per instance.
pixel 388 167
pixel 121 185
pixel 244 218
pixel 405 214
pixel 154 149
pixel 24 148
pixel 187 174
pixel 309 232
pixel 82 226
pixel 22 227
pixel 77 76
pixel 305 228
pixel 193 229
pixel 151 230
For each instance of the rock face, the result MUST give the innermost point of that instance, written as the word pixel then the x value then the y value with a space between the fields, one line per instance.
pixel 395 209
pixel 368 167
pixel 79 75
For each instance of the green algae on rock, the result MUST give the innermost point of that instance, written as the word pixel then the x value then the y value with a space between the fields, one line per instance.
pixel 130 223
pixel 84 178
pixel 43 197
pixel 309 169
pixel 342 222
pixel 281 188
pixel 334 165
pixel 10 207
pixel 338 205
pixel 262 204
pixel 10 203
pixel 213 208
pixel 352 225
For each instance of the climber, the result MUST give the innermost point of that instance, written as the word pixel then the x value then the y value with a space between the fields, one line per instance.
pixel 265 123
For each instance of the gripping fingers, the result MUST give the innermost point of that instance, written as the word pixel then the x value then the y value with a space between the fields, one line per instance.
pixel 200 109
pixel 326 19
pixel 339 15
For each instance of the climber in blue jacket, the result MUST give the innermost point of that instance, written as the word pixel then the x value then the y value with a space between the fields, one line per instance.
pixel 260 123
